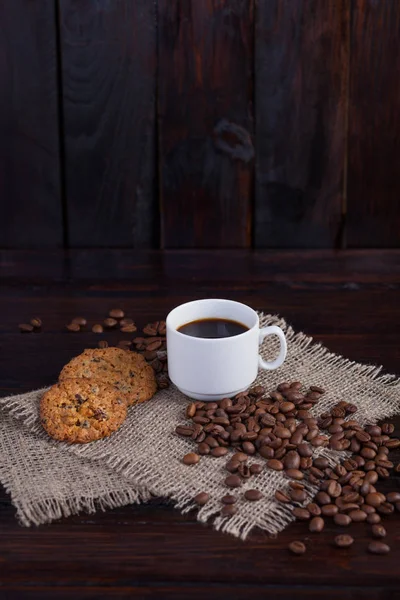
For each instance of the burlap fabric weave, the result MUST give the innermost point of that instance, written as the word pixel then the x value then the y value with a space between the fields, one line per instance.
pixel 48 479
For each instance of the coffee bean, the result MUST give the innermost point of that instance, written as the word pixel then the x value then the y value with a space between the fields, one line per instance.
pixel 316 525
pixel 218 452
pixel 109 322
pixel 203 448
pixel 329 510
pixel 126 321
pixel 305 450
pixel 298 495
pixel 297 547
pixel 229 510
pixel 295 474
pixel 378 548
pixel 334 489
pixel 343 540
pixel 253 495
pixel 283 387
pixel 228 499
pixel 313 509
pixel 79 321
pixel 282 497
pixel 357 515
pixel 387 428
pixel 96 328
pixel 291 460
pixel 301 514
pixel 256 469
pixel 316 388
pixel 322 498
pixel 275 464
pixel 342 520
pixel 248 448
pixel 321 462
pixel 393 497
pixel 305 462
pixel 373 499
pixel 191 458
pixel 378 531
pixel 367 453
pixel 210 441
pixel 102 344
pixel 240 456
pixel 202 498
pixel 116 313
pixel 25 328
pixel 233 481
pixel 232 466
pixel 73 327
pixel 373 518
pixel 385 508
pixel 184 430
pixel 36 322
pixel 371 477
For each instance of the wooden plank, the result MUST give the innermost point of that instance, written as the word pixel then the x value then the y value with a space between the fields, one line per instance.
pixel 323 269
pixel 374 125
pixel 31 210
pixel 206 122
pixel 108 71
pixel 301 86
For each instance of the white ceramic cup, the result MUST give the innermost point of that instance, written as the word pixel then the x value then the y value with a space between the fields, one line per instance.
pixel 216 368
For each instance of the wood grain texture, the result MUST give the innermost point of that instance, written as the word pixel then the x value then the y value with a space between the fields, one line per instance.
pixel 374 126
pixel 31 210
pixel 301 87
pixel 108 76
pixel 205 122
pixel 152 551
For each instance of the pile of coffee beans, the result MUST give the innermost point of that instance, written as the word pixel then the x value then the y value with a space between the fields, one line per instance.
pixel 279 427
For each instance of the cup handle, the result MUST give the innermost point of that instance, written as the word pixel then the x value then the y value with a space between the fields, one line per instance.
pixel 273 364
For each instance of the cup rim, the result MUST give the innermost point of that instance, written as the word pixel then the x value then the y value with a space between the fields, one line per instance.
pixel 213 340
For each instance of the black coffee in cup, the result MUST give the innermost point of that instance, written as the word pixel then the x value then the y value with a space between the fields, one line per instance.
pixel 213 328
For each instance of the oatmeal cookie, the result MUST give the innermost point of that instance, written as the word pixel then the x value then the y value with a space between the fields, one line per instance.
pixel 127 371
pixel 80 411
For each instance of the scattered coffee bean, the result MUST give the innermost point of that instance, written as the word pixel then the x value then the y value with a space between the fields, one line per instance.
pixel 36 322
pixel 313 509
pixel 102 344
pixel 203 448
pixel 191 458
pixel 373 518
pixel 275 464
pixel 73 327
pixel 202 498
pixel 220 451
pixel 378 531
pixel 233 481
pixel 109 322
pixel 116 313
pixel 357 515
pixel 282 497
pixel 253 495
pixel 256 469
pixel 229 510
pixel 240 456
pixel 298 495
pixel 301 514
pixel 376 547
pixel 81 321
pixel 25 328
pixel 126 321
pixel 316 525
pixel 97 328
pixel 295 474
pixel 343 540
pixel 393 497
pixel 228 499
pixel 329 510
pixel 297 547
pixel 342 520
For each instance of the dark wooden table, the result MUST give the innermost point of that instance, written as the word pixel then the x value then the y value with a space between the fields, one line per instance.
pixel 350 301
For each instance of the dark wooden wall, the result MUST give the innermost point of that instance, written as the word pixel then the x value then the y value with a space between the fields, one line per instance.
pixel 200 123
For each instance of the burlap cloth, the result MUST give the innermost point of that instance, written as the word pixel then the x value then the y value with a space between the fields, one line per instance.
pixel 48 479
